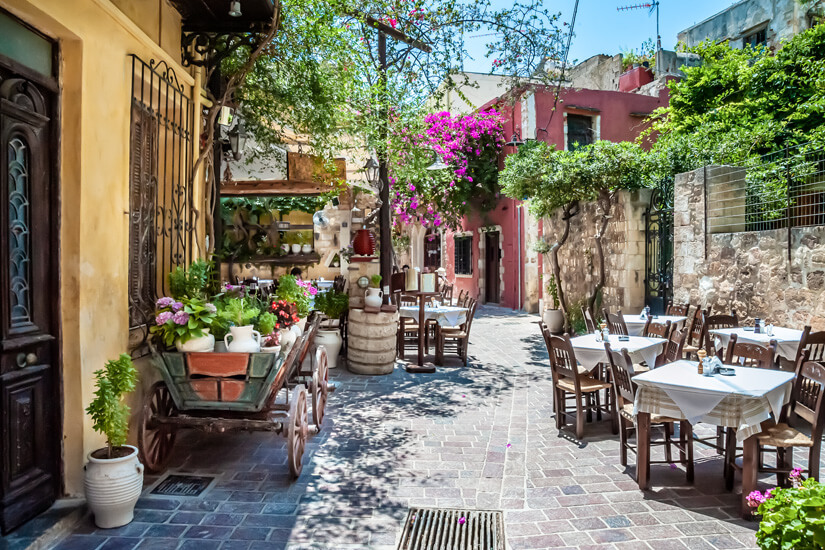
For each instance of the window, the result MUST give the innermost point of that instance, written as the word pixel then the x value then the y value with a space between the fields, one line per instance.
pixel 432 250
pixel 464 255
pixel 579 131
pixel 756 38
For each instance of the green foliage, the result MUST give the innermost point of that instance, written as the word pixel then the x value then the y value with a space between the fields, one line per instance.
pixel 192 282
pixel 290 291
pixel 239 311
pixel 553 291
pixel 793 518
pixel 401 242
pixel 332 304
pixel 540 246
pixel 110 415
pixel 550 179
pixel 266 323
pixel 182 320
pixel 375 281
pixel 646 54
pixel 575 317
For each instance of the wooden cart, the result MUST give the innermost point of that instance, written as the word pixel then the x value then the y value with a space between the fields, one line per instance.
pixel 222 392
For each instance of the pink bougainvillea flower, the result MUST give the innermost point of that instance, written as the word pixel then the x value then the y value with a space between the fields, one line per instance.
pixel 509 445
pixel 796 472
pixel 462 520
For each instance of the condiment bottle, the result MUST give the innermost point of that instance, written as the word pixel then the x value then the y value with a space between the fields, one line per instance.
pixel 702 354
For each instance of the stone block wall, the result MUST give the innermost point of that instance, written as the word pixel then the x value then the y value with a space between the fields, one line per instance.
pixel 748 271
pixel 624 249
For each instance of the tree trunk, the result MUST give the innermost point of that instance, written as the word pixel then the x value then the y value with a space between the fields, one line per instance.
pixel 605 202
pixel 570 210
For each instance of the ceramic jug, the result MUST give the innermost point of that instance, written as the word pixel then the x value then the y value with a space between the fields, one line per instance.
pixel 374 297
pixel 243 340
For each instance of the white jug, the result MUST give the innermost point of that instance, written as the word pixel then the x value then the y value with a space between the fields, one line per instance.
pixel 244 339
pixel 374 297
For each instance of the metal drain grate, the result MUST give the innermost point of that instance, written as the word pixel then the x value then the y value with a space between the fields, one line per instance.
pixel 453 529
pixel 182 486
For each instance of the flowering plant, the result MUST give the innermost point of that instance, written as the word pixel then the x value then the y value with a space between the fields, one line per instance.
pixel 296 291
pixel 182 320
pixel 468 144
pixel 793 517
pixel 266 326
pixel 286 314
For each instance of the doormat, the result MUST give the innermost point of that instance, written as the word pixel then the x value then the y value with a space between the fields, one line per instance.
pixel 182 486
pixel 456 529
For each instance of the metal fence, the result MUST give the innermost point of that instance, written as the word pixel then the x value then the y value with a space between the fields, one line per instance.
pixel 779 190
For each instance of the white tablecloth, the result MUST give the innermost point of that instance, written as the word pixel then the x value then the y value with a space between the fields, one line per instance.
pixel 742 401
pixel 635 324
pixel 445 316
pixel 590 353
pixel 787 339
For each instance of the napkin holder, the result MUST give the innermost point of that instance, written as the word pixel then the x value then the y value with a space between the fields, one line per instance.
pixel 711 366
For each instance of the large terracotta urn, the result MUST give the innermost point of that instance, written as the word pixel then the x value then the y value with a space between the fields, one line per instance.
pixel 364 243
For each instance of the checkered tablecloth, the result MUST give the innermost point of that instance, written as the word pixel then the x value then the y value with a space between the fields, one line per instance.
pixel 742 401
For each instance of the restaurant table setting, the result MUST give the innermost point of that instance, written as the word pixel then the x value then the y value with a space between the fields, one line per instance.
pixel 590 351
pixel 445 316
pixel 787 339
pixel 636 323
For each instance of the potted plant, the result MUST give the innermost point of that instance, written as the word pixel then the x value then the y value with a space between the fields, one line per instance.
pixel 219 329
pixel 298 292
pixel 336 261
pixel 792 517
pixel 307 247
pixel 374 296
pixel 552 316
pixel 286 316
pixel 242 337
pixel 185 323
pixel 333 305
pixel 296 239
pixel 113 476
pixel 270 338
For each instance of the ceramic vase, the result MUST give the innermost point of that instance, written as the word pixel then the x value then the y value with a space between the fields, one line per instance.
pixel 332 341
pixel 364 242
pixel 306 249
pixel 296 248
pixel 374 297
pixel 287 339
pixel 113 486
pixel 554 319
pixel 243 340
pixel 202 343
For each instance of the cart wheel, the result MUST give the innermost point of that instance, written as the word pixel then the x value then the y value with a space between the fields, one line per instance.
pixel 320 387
pixel 297 431
pixel 155 440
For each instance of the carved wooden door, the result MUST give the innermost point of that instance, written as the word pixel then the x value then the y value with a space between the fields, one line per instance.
pixel 30 430
pixel 492 290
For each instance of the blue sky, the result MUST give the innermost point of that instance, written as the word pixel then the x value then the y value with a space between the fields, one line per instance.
pixel 600 28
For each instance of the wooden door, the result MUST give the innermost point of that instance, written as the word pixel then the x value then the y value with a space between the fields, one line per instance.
pixel 492 262
pixel 30 403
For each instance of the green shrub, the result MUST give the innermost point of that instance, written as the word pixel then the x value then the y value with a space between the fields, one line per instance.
pixel 332 304
pixel 110 415
pixel 289 290
pixel 792 518
pixel 191 283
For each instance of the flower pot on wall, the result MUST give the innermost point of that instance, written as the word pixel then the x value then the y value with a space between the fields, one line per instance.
pixel 364 242
pixel 113 486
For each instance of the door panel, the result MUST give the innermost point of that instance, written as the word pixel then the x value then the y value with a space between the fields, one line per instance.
pixel 492 274
pixel 29 373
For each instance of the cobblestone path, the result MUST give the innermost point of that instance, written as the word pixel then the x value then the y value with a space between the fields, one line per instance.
pixel 479 437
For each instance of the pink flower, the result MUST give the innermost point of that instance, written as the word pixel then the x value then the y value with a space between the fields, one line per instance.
pixel 165 302
pixel 462 520
pixel 163 317
pixel 796 472
pixel 755 498
pixel 181 318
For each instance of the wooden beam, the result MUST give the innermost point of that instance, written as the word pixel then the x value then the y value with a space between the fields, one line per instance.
pixel 274 187
pixel 398 35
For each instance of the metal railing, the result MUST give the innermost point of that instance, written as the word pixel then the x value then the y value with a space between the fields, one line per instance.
pixel 780 190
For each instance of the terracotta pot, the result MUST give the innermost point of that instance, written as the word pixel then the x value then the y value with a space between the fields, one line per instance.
pixel 364 242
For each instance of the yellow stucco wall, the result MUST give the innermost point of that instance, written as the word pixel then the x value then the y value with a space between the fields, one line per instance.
pixel 95 38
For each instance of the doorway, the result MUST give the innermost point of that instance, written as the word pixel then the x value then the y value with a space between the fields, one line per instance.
pixel 30 379
pixel 492 264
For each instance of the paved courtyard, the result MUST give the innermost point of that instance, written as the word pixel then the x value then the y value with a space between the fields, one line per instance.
pixel 481 437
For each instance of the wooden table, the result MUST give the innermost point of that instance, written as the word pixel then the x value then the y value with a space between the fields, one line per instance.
pixel 450 316
pixel 422 327
pixel 741 402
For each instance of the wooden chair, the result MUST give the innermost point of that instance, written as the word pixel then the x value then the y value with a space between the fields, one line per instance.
pixel 447 294
pixel 568 383
pixel 615 323
pixel 695 334
pixel 713 322
pixel 813 343
pixel 807 402
pixel 749 354
pixel 589 322
pixel 338 283
pixel 461 295
pixel 407 335
pixel 654 329
pixel 677 310
pixel 673 349
pixel 621 368
pixel 458 337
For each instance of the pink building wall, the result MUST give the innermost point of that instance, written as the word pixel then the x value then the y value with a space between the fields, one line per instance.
pixel 621 118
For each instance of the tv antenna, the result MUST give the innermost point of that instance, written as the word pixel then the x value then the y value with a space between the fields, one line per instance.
pixel 650 6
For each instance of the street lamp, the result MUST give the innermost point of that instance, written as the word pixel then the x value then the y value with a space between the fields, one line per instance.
pixel 515 141
pixel 371 169
pixel 237 140
pixel 439 164
pixel 235 9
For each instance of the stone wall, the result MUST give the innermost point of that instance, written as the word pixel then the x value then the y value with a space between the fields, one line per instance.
pixel 747 271
pixel 623 248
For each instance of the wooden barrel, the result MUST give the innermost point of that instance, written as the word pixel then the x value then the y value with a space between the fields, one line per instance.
pixel 371 344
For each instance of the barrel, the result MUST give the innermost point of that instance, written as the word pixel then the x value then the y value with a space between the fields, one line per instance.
pixel 371 342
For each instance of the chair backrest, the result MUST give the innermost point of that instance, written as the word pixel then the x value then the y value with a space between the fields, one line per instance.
pixel 680 309
pixel 696 330
pixel 447 294
pixel 808 396
pixel 656 330
pixel 405 299
pixel 621 369
pixel 589 322
pixel 813 343
pixel 750 354
pixel 470 316
pixel 563 359
pixel 615 323
pixel 339 283
pixel 673 348
pixel 713 322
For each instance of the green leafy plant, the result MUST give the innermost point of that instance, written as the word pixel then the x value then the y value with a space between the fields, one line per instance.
pixel 183 319
pixel 375 281
pixel 192 282
pixel 266 323
pixel 239 311
pixel 540 246
pixel 793 517
pixel 110 415
pixel 290 290
pixel 332 304
pixel 401 242
pixel 552 292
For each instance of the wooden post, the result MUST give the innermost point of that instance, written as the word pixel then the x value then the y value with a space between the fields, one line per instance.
pixel 643 450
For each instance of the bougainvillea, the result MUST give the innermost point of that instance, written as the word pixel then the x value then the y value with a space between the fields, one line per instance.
pixel 468 144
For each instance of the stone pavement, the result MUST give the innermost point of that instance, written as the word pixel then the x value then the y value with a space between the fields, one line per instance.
pixel 481 437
